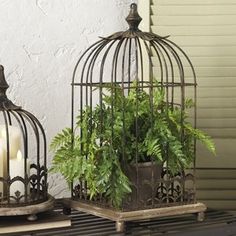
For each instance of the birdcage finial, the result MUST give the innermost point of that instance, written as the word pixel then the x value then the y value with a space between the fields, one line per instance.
pixel 5 103
pixel 133 18
pixel 3 83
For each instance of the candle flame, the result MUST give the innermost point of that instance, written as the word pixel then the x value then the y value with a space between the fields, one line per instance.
pixel 19 155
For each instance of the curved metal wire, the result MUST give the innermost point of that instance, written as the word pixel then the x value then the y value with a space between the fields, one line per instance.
pixel 25 121
pixel 125 51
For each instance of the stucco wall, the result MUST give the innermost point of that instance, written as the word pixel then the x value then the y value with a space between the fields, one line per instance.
pixel 40 41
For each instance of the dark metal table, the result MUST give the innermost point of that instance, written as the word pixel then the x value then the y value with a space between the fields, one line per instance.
pixel 216 222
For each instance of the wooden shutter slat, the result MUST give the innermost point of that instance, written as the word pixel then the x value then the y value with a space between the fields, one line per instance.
pixel 197 10
pixel 196 30
pixel 206 31
pixel 192 2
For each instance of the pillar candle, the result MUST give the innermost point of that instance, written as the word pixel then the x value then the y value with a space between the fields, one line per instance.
pixel 2 163
pixel 17 168
pixel 14 139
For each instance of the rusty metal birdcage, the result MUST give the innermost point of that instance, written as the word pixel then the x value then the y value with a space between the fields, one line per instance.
pixel 23 160
pixel 129 89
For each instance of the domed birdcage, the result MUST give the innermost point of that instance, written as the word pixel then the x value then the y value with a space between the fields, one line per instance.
pixel 130 96
pixel 23 160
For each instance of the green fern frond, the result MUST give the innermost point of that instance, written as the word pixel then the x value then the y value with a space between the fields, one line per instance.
pixel 62 138
pixel 202 137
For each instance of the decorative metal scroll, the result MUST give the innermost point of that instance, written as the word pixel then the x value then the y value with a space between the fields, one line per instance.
pixel 167 191
pixel 37 189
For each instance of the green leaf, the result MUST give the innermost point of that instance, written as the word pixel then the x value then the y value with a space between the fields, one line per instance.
pixel 135 123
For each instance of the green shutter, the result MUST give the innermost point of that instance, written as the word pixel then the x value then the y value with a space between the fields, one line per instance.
pixel 206 30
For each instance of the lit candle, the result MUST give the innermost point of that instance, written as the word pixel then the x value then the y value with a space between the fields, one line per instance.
pixel 14 139
pixel 3 163
pixel 17 168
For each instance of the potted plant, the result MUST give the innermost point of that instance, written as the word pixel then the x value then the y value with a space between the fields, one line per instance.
pixel 107 158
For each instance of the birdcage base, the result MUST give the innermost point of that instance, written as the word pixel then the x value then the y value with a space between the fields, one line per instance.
pixel 120 217
pixel 30 211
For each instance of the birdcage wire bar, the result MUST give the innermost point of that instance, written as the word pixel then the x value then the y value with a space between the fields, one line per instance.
pixel 122 58
pixel 23 174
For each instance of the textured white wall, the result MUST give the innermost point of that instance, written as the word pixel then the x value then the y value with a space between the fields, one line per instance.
pixel 40 41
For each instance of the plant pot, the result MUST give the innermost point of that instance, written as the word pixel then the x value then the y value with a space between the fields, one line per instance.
pixel 144 178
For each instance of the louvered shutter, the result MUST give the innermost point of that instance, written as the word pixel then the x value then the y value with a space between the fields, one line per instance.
pixel 206 30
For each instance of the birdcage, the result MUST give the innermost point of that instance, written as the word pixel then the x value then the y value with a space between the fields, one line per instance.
pixel 133 122
pixel 23 160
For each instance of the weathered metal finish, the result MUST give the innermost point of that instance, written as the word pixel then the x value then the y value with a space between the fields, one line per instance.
pixel 133 18
pixel 5 103
pixel 29 209
pixel 122 54
pixel 168 192
pixel 34 148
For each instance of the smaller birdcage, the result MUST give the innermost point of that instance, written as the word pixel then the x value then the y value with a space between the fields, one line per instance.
pixel 23 160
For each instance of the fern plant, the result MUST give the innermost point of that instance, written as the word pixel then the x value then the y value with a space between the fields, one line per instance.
pixel 101 153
